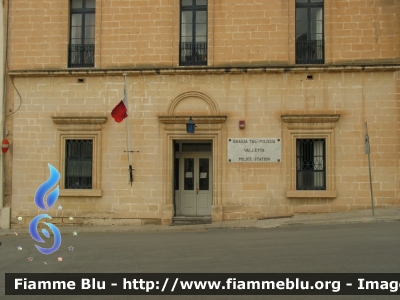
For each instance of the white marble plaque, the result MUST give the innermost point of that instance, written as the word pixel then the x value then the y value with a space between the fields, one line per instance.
pixel 254 150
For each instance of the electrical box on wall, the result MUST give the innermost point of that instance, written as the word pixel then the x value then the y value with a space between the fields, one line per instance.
pixel 242 124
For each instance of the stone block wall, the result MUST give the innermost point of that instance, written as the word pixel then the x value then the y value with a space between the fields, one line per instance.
pixel 248 190
pixel 145 34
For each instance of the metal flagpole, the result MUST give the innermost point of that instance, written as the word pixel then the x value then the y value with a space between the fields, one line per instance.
pixel 367 151
pixel 127 131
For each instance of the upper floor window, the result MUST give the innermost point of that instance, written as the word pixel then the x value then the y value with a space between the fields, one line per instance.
pixel 193 42
pixel 309 31
pixel 81 47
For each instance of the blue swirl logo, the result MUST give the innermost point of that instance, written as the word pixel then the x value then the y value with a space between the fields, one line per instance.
pixel 50 201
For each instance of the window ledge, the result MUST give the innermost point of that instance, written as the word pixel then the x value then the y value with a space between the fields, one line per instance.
pixel 80 193
pixel 311 194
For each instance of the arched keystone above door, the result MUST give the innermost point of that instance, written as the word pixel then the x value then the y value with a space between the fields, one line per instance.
pixel 193 103
pixel 201 107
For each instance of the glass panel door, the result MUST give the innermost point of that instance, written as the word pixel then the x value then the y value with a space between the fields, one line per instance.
pixel 188 174
pixel 193 195
pixel 204 193
pixel 204 166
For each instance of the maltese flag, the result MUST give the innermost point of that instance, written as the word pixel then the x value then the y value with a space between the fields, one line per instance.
pixel 119 113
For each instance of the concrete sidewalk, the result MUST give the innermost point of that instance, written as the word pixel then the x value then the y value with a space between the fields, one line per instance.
pixel 362 216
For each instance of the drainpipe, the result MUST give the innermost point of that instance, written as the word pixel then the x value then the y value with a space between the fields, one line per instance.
pixel 5 212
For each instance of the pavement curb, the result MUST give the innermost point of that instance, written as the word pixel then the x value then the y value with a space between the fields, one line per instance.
pixel 353 217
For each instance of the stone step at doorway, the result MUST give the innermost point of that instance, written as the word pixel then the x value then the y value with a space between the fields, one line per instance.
pixel 191 220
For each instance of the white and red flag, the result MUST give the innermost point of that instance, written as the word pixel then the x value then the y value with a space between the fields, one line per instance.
pixel 119 113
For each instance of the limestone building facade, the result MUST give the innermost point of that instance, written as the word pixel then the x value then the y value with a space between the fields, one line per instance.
pixel 279 90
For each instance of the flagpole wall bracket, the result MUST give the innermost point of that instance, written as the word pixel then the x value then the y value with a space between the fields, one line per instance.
pixel 130 174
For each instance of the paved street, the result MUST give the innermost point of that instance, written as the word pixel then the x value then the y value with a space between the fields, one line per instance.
pixel 363 247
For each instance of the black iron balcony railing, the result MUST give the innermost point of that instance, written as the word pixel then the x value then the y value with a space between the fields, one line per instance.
pixel 193 54
pixel 81 56
pixel 309 52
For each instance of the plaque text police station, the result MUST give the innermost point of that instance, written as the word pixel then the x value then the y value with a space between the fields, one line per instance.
pixel 254 150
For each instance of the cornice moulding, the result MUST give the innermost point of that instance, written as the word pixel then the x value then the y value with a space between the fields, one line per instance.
pixel 204 70
pixel 74 120
pixel 317 118
pixel 196 119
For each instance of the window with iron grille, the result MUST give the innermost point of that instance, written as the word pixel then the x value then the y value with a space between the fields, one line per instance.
pixel 193 42
pixel 78 164
pixel 82 22
pixel 310 164
pixel 309 32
